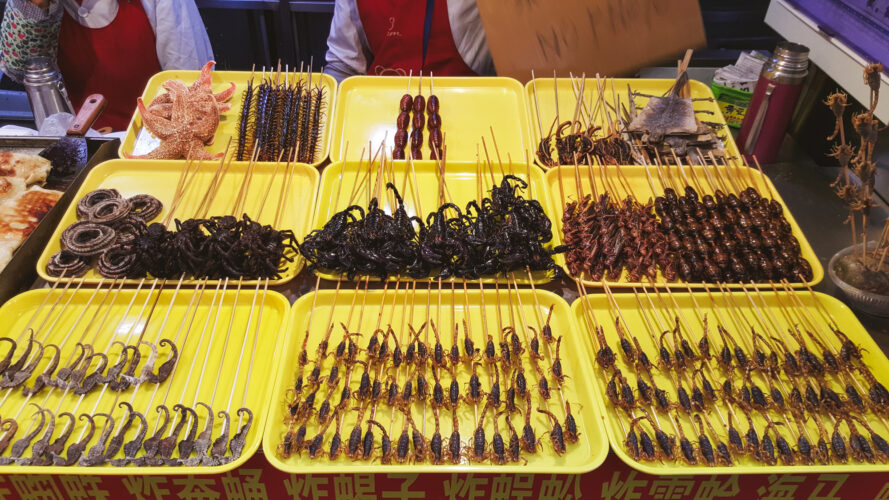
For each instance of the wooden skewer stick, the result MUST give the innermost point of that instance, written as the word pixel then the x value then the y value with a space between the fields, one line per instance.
pixel 211 345
pixel 158 335
pixel 45 300
pixel 70 330
pixel 556 96
pixel 536 104
pixel 111 341
pixel 83 334
pixel 124 345
pixel 525 328
pixel 52 325
pixel 190 321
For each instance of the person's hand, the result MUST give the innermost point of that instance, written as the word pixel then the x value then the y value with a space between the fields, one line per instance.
pixel 43 4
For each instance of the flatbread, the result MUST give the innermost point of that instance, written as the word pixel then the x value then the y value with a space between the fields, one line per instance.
pixel 20 216
pixel 11 188
pixel 31 169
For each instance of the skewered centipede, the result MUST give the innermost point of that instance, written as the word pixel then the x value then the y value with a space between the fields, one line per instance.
pixel 282 118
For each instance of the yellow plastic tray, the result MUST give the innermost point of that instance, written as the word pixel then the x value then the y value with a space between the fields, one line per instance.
pixel 367 108
pixel 114 320
pixel 585 455
pixel 159 178
pixel 638 181
pixel 228 121
pixel 689 315
pixel 462 186
pixel 653 86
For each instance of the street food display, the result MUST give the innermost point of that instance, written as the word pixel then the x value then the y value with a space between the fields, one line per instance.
pixel 622 121
pixel 282 119
pixel 420 107
pixel 185 118
pixel 494 235
pixel 23 200
pixel 266 115
pixel 168 219
pixel 696 344
pixel 384 385
pixel 96 380
pixel 119 233
pixel 677 224
pixel 482 225
pixel 453 118
pixel 735 382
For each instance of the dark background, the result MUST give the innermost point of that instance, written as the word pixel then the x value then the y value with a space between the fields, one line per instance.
pixel 244 33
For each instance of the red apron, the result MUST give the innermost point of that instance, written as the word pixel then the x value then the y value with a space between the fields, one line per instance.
pixel 115 61
pixel 394 30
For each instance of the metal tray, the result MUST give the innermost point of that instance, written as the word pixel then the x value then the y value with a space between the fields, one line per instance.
pixel 21 271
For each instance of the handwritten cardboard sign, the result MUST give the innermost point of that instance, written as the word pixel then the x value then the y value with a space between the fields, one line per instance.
pixel 611 37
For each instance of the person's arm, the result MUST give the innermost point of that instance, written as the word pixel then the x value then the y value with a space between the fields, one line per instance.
pixel 347 47
pixel 469 36
pixel 182 41
pixel 29 29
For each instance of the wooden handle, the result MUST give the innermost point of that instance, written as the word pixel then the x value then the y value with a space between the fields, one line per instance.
pixel 92 107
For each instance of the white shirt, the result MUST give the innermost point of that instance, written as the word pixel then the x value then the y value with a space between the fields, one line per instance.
pixel 348 51
pixel 182 41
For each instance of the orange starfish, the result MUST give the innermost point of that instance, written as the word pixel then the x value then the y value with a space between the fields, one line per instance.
pixel 162 105
pixel 193 121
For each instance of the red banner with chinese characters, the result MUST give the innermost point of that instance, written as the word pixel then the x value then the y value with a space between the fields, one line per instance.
pixel 614 480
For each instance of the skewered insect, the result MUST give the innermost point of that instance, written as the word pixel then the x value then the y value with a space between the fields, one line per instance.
pixel 528 440
pixel 475 387
pixel 386 453
pixel 704 444
pixel 494 393
pixel 689 454
pixel 455 448
pixel 436 453
pixel 421 448
pixel 570 427
pixel 403 447
pixel 557 364
pixel 767 447
pixel 604 356
pixel 556 435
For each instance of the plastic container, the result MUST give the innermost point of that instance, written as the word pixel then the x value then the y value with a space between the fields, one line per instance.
pixel 160 178
pixel 471 107
pixel 645 184
pixel 311 311
pixel 732 102
pixel 869 302
pixel 211 366
pixel 736 314
pixel 617 91
pixel 229 120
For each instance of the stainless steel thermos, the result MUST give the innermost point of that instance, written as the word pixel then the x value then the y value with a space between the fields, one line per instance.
pixel 46 90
